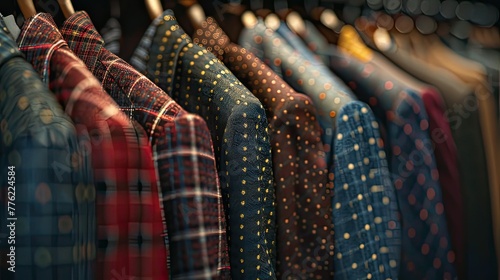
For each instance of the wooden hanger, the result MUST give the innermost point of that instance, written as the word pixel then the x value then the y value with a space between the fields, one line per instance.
pixel 382 39
pixel 327 32
pixel 27 8
pixel 350 42
pixel 249 19
pixel 272 21
pixel 296 23
pixel 330 19
pixel 154 7
pixel 66 7
pixel 196 14
pixel 194 11
pixel 429 48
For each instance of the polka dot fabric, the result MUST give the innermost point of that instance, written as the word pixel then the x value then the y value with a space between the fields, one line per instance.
pixel 441 136
pixel 304 75
pixel 200 83
pixel 53 186
pixel 367 227
pixel 348 156
pixel 304 224
pixel 426 246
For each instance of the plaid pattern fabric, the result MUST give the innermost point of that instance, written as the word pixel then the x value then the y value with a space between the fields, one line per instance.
pixel 367 226
pixel 426 247
pixel 364 202
pixel 52 192
pixel 129 219
pixel 481 258
pixel 203 85
pixel 182 153
pixel 303 209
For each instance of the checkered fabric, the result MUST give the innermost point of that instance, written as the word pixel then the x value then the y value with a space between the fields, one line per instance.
pixel 200 83
pixel 426 247
pixel 129 218
pixel 51 188
pixel 441 136
pixel 365 214
pixel 182 154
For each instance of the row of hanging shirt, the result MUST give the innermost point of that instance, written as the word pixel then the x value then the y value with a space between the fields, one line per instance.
pixel 243 163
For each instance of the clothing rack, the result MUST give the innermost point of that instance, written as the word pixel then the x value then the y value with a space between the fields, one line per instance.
pixel 345 139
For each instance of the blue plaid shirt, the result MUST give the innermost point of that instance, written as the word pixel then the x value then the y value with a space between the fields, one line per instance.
pixel 52 192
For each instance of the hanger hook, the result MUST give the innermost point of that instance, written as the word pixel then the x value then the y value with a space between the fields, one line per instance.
pixel 27 8
pixel 154 7
pixel 66 7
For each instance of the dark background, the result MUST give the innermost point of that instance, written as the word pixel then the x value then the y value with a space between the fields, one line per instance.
pixel 134 19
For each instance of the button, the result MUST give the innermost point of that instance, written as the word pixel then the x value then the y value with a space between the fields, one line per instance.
pixel 23 103
pixel 46 115
pixel 7 138
pixel 42 257
pixel 65 224
pixel 80 192
pixel 43 194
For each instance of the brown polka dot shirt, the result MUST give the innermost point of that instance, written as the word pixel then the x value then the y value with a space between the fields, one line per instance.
pixel 304 224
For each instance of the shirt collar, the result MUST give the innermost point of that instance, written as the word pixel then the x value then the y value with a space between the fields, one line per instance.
pixel 39 39
pixel 81 34
pixel 8 47
pixel 39 29
pixel 213 38
pixel 168 42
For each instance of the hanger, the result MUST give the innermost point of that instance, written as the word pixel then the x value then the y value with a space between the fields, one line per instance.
pixel 196 14
pixel 316 16
pixel 350 42
pixel 66 7
pixel 330 19
pixel 272 19
pixel 249 19
pixel 27 8
pixel 154 7
pixel 488 37
pixel 433 51
pixel 194 11
pixel 296 23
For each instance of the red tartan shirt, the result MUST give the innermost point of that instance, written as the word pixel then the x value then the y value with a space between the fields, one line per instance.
pixel 182 153
pixel 130 240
